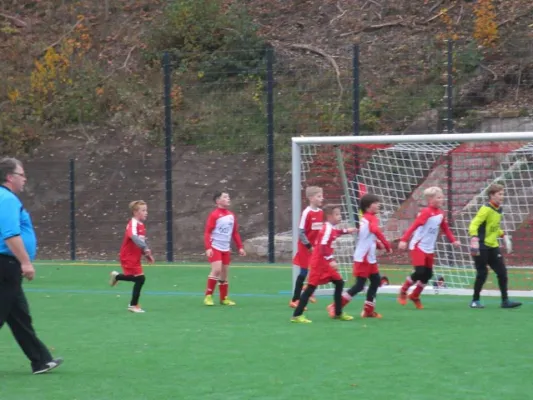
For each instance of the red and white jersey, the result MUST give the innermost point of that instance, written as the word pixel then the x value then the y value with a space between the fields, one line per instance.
pixel 220 228
pixel 323 246
pixel 311 222
pixel 426 228
pixel 369 234
pixel 134 238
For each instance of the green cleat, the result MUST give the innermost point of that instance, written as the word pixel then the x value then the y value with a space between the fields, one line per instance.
pixel 343 317
pixel 227 302
pixel 301 319
pixel 208 300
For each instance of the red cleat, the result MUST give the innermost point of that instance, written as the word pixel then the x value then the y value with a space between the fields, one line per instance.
pixel 372 314
pixel 402 298
pixel 417 302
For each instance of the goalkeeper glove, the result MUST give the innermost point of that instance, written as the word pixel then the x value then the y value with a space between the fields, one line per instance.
pixel 474 246
pixel 508 244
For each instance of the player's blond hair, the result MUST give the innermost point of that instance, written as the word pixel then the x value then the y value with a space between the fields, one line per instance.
pixel 494 188
pixel 311 191
pixel 136 204
pixel 431 192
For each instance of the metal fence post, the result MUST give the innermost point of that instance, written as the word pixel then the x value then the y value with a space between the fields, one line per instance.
pixel 270 154
pixel 167 80
pixel 72 190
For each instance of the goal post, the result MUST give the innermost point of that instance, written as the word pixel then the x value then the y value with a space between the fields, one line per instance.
pixel 398 169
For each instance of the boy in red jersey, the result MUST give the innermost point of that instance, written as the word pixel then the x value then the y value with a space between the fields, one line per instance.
pixel 134 246
pixel 365 263
pixel 220 228
pixel 424 231
pixel 310 224
pixel 324 267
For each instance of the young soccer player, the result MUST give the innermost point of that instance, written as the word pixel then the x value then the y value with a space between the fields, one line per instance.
pixel 134 246
pixel 484 231
pixel 310 224
pixel 324 267
pixel 424 231
pixel 220 228
pixel 365 263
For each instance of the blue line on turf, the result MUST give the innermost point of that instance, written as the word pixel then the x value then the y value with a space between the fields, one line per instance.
pixel 283 293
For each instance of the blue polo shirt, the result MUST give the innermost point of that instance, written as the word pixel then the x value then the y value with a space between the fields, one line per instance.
pixel 15 221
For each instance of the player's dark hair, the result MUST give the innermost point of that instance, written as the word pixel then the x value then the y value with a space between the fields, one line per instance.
pixel 367 200
pixel 218 194
pixel 329 208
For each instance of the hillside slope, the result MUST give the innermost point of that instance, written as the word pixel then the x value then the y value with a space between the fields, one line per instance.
pixel 111 119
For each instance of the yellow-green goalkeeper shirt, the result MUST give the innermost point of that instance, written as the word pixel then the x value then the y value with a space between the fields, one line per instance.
pixel 486 226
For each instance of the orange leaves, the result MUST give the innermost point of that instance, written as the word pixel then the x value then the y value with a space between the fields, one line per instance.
pixel 485 25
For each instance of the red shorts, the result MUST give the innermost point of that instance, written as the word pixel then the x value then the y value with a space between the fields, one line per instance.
pixel 131 268
pixel 364 269
pixel 322 274
pixel 421 259
pixel 302 257
pixel 224 256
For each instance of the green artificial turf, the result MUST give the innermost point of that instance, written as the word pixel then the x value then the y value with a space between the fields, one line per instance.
pixel 180 349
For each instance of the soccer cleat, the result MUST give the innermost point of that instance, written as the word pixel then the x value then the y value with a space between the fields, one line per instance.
pixel 208 300
pixel 343 317
pixel 113 278
pixel 227 302
pixel 372 314
pixel 402 298
pixel 294 304
pixel 417 302
pixel 476 304
pixel 510 304
pixel 331 310
pixel 301 319
pixel 135 309
pixel 56 362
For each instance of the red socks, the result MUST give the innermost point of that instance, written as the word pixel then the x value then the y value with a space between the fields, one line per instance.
pixel 211 284
pixel 369 307
pixel 223 287
pixel 407 284
pixel 418 290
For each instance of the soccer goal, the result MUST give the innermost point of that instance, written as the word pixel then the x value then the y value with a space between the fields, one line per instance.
pixel 398 169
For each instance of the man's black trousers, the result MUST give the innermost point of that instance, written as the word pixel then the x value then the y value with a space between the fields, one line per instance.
pixel 14 311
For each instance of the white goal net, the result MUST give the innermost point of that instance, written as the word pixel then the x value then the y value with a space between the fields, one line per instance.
pixel 398 169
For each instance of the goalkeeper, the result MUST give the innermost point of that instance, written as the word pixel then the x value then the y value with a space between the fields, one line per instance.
pixel 484 231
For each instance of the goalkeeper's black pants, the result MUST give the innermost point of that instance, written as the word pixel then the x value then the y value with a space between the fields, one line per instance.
pixel 494 259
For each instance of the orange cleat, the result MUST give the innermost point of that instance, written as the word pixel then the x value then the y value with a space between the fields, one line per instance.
pixel 331 310
pixel 402 298
pixel 372 314
pixel 294 304
pixel 417 302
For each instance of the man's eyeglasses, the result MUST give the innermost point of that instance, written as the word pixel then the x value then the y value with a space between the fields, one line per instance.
pixel 19 174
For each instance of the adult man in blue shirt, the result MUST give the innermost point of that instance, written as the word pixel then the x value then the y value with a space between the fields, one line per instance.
pixel 18 246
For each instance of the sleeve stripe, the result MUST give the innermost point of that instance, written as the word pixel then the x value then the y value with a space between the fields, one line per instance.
pixel 327 234
pixel 134 231
pixel 303 219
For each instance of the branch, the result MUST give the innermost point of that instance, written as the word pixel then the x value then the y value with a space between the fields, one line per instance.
pixel 342 12
pixel 375 27
pixel 17 21
pixel 123 65
pixel 444 11
pixel 515 17
pixel 330 59
pixel 491 71
pixel 62 37
pixel 435 6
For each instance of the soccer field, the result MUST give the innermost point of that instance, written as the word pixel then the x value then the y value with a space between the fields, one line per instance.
pixel 180 349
